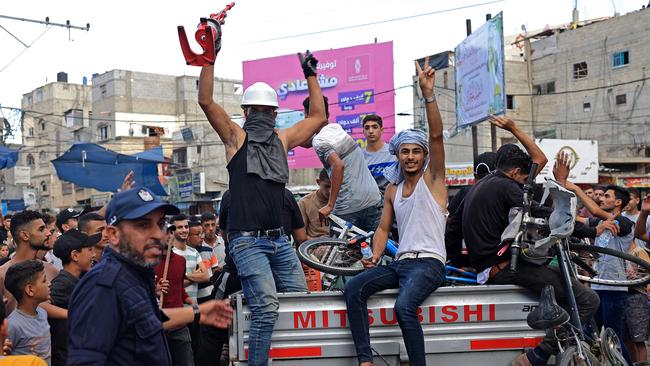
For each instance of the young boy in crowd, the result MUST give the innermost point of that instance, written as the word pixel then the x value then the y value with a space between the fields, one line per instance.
pixel 75 250
pixel 29 331
pixel 13 360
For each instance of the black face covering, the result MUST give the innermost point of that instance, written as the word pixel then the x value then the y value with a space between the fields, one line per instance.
pixel 265 154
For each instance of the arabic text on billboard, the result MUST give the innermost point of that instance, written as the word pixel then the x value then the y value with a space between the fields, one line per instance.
pixel 583 155
pixel 480 82
pixel 357 81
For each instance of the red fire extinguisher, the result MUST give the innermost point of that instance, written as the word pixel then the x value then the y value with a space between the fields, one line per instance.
pixel 208 31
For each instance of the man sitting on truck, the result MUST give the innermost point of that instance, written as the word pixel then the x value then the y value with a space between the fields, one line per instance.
pixel 417 199
pixel 486 209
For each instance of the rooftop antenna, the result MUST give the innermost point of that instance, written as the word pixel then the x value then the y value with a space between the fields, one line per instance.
pixel 576 15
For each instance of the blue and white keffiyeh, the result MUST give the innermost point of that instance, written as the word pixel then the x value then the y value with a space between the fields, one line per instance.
pixel 410 136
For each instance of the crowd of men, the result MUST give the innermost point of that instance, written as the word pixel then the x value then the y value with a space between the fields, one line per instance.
pixel 139 283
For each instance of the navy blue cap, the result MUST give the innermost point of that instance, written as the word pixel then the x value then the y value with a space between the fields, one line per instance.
pixel 135 203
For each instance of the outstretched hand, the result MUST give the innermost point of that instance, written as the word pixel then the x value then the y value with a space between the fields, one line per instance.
pixel 562 167
pixel 503 122
pixel 128 182
pixel 426 78
pixel 308 63
pixel 217 313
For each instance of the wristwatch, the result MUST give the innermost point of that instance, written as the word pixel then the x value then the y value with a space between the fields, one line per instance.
pixel 430 99
pixel 197 313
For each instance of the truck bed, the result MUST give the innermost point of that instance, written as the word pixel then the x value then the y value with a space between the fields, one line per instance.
pixel 478 325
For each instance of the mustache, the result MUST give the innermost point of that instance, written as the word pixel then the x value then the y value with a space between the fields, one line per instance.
pixel 156 244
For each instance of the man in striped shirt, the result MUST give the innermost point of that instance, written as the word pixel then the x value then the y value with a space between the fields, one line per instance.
pixel 195 240
pixel 195 271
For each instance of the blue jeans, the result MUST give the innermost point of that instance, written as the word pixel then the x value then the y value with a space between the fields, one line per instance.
pixel 416 279
pixel 610 314
pixel 265 267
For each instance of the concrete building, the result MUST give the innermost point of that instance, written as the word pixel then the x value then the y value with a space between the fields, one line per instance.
pixel 583 81
pixel 54 115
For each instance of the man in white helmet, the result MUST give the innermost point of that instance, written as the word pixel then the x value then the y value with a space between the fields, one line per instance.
pixel 258 169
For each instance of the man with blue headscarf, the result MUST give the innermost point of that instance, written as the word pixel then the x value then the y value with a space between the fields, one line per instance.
pixel 417 199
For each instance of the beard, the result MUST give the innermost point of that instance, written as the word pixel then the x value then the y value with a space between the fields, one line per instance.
pixel 138 258
pixel 40 246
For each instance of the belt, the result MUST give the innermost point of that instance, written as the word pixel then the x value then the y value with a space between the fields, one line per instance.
pixel 413 255
pixel 498 268
pixel 271 233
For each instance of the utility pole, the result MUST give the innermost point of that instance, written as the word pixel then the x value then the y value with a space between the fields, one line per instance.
pixel 493 128
pixel 468 27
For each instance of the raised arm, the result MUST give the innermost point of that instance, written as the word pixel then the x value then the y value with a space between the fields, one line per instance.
pixel 536 154
pixel 561 173
pixel 435 173
pixel 385 225
pixel 303 131
pixel 641 223
pixel 229 132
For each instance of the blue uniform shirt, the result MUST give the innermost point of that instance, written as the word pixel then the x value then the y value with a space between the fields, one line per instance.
pixel 114 318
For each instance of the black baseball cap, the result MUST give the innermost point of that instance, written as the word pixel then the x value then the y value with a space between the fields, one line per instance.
pixel 66 215
pixel 135 203
pixel 74 240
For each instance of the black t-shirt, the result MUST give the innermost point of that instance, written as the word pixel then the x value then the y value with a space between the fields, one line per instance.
pixel 291 220
pixel 258 200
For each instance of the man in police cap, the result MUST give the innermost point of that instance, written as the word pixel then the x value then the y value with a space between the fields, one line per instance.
pixel 67 219
pixel 258 170
pixel 114 317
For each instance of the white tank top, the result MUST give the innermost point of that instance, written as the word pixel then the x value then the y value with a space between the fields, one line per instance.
pixel 420 222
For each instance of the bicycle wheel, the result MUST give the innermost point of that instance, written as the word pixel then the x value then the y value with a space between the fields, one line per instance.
pixel 596 253
pixel 571 357
pixel 611 347
pixel 331 255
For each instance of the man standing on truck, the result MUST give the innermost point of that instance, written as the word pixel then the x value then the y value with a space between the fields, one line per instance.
pixel 417 199
pixel 258 171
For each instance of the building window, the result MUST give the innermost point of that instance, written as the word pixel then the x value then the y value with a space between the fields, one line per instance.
pixel 103 133
pixel 102 89
pixel 550 87
pixel 179 157
pixel 620 59
pixel 42 124
pixel 43 186
pixel 66 188
pixel 580 70
pixel 74 118
pixel 586 106
pixel 545 88
pixel 31 132
pixel 621 99
pixel 546 134
pixel 30 160
pixel 42 158
pixel 510 101
pixel 30 100
pixel 39 96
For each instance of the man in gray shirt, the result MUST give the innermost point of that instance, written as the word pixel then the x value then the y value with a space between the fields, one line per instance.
pixel 376 152
pixel 354 196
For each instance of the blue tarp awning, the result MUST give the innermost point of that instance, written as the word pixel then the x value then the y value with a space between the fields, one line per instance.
pixel 92 166
pixel 8 158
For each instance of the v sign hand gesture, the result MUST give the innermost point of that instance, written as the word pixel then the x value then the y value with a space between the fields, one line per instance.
pixel 427 78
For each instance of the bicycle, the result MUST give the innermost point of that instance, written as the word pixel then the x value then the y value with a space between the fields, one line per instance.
pixel 576 347
pixel 341 255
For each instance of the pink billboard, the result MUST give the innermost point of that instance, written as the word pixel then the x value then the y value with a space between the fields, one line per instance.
pixel 356 80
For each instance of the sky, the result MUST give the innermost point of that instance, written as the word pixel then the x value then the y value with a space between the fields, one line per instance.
pixel 140 35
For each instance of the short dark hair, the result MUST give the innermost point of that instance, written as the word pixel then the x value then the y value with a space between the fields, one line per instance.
pixel 599 188
pixel 305 105
pixel 8 216
pixel 48 218
pixel 207 216
pixel 373 118
pixel 620 193
pixel 510 156
pixel 484 164
pixel 86 218
pixel 323 175
pixel 21 219
pixel 634 192
pixel 20 274
pixel 179 217
pixel 194 223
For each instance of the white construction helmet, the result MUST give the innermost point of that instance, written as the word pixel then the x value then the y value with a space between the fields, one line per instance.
pixel 260 94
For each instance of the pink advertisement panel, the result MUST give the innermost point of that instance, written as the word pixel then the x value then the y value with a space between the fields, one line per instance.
pixel 356 80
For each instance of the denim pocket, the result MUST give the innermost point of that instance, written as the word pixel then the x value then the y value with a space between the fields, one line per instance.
pixel 241 243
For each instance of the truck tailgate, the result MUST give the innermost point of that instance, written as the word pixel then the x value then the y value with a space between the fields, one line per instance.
pixel 478 325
